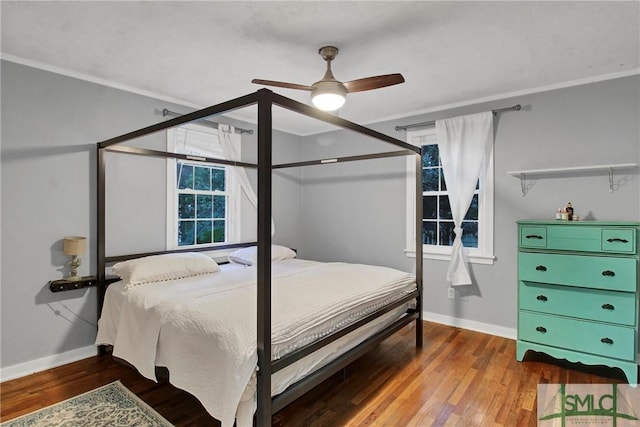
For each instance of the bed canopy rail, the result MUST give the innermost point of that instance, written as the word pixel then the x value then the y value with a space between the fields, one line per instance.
pixel 166 112
pixel 265 99
pixel 119 258
pixel 345 159
pixel 156 153
pixel 251 99
pixel 224 107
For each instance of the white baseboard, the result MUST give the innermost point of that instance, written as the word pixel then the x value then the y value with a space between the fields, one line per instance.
pixel 44 363
pixel 486 328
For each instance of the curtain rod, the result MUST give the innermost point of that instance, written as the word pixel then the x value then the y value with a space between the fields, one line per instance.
pixel 166 112
pixel 516 107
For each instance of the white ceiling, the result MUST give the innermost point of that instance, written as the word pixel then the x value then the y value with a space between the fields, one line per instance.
pixel 449 52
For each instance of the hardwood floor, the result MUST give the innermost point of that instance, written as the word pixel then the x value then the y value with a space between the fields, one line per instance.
pixel 459 378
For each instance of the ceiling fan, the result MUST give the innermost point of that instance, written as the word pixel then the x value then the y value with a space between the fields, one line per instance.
pixel 330 94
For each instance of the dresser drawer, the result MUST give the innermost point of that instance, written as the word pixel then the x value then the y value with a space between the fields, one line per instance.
pixel 533 237
pixel 589 337
pixel 595 304
pixel 619 240
pixel 574 238
pixel 609 273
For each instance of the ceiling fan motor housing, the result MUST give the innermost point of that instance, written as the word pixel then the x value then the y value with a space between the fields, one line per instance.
pixel 332 86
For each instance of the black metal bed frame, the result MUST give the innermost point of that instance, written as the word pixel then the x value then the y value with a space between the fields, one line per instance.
pixel 265 99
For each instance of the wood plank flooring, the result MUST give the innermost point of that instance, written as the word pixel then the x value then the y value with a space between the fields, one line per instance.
pixel 459 378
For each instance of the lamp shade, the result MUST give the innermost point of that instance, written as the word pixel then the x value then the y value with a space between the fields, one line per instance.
pixel 328 95
pixel 75 245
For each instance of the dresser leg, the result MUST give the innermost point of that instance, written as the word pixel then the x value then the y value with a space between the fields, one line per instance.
pixel 521 349
pixel 632 375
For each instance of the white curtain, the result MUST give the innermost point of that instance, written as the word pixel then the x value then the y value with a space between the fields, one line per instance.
pixel 196 142
pixel 464 143
pixel 226 134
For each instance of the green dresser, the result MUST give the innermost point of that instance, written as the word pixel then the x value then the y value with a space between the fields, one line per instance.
pixel 578 292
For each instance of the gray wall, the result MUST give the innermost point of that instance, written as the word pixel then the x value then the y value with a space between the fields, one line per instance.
pixel 356 211
pixel 50 125
pixel 351 212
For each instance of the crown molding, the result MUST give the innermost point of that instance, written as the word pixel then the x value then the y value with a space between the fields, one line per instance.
pixel 513 94
pixel 98 80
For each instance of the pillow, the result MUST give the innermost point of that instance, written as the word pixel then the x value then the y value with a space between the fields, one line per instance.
pixel 164 267
pixel 249 256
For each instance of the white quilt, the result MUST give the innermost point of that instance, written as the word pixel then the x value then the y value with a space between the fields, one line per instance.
pixel 203 329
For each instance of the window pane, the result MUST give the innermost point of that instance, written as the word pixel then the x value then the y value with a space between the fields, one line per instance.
pixel 430 155
pixel 445 207
pixel 472 213
pixel 186 206
pixel 203 232
pixel 202 179
pixel 429 207
pixel 218 231
pixel 218 176
pixel 446 233
pixel 185 233
pixel 443 184
pixel 219 203
pixel 205 206
pixel 470 234
pixel 429 233
pixel 430 179
pixel 186 176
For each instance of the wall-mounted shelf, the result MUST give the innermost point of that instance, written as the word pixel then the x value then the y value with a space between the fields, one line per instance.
pixel 522 174
pixel 79 283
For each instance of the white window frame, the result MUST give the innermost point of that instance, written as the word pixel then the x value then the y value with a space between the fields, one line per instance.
pixel 233 227
pixel 483 254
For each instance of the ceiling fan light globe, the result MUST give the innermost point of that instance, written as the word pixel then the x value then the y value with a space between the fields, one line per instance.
pixel 328 95
pixel 328 101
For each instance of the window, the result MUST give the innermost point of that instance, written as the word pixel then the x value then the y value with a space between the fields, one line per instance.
pixel 202 199
pixel 202 204
pixel 437 220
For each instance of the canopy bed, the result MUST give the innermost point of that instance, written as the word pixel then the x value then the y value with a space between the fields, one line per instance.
pixel 369 315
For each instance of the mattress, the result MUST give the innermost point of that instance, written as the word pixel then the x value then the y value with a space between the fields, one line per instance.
pixel 203 329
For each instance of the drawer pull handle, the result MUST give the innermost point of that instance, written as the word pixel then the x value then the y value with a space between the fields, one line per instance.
pixel 608 273
pixel 542 298
pixel 606 340
pixel 615 239
pixel 607 306
pixel 542 329
pixel 543 268
pixel 534 236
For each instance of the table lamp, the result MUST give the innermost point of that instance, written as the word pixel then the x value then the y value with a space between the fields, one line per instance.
pixel 74 246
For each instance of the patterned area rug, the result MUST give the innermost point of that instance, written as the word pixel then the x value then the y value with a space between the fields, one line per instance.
pixel 111 405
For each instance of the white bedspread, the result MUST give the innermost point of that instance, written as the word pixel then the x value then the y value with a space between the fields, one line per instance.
pixel 203 329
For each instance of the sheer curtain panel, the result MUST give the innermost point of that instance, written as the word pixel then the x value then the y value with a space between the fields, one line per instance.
pixel 226 133
pixel 464 143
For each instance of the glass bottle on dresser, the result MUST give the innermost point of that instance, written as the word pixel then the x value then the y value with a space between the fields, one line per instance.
pixel 569 210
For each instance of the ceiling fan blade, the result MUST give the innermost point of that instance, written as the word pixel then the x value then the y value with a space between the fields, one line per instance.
pixel 374 82
pixel 281 84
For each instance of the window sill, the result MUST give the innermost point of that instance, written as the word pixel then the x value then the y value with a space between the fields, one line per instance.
pixel 440 256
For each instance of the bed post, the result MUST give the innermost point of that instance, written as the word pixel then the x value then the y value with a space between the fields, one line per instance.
pixel 100 229
pixel 419 260
pixel 263 415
